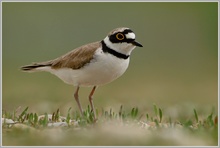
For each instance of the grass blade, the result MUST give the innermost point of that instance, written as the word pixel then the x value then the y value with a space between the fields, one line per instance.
pixel 22 114
pixel 35 119
pixel 68 116
pixel 120 111
pixel 160 114
pixel 147 116
pixel 155 110
pixel 196 116
pixel 45 121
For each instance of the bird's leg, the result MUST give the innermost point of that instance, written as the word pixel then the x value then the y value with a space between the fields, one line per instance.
pixel 91 101
pixel 76 96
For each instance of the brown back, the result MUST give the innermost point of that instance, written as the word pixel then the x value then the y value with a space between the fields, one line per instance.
pixel 76 58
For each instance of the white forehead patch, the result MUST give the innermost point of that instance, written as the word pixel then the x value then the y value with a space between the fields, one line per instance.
pixel 130 35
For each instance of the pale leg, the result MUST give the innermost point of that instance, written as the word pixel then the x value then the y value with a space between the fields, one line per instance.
pixel 76 96
pixel 91 101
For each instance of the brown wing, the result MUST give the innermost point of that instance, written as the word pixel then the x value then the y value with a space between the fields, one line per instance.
pixel 77 58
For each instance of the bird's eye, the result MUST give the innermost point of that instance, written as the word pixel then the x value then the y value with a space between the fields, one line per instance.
pixel 120 36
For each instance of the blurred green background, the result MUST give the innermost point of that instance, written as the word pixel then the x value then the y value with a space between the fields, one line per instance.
pixel 178 65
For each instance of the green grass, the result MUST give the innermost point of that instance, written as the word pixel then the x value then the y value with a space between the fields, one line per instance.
pixel 122 127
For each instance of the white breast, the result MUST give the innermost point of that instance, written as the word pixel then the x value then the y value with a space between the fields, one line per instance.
pixel 103 69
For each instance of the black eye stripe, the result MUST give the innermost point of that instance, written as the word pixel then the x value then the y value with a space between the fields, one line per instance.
pixel 126 31
pixel 114 38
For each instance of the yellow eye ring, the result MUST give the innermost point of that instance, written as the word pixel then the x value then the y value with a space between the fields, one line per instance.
pixel 120 36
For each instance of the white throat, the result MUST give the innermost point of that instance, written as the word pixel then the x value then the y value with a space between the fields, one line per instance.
pixel 124 48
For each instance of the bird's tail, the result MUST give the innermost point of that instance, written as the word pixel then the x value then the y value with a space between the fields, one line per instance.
pixel 35 67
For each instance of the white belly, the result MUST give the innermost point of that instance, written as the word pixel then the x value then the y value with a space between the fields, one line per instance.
pixel 102 70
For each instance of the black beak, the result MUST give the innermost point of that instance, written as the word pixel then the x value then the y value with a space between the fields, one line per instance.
pixel 136 44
